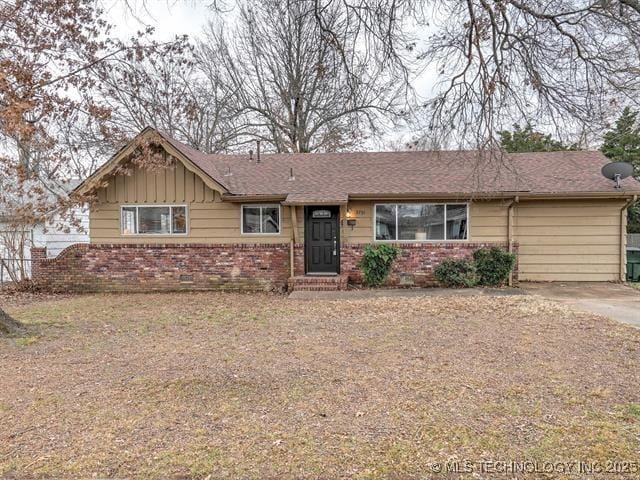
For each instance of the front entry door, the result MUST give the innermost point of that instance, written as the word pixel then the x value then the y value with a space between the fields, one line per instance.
pixel 322 240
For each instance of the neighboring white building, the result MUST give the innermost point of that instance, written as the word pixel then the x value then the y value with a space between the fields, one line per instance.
pixel 56 235
pixel 56 239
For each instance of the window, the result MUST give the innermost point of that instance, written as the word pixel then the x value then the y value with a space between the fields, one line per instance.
pixel 421 221
pixel 456 222
pixel 260 219
pixel 386 222
pixel 154 220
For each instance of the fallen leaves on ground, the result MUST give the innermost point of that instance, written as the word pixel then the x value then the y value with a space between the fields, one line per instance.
pixel 221 385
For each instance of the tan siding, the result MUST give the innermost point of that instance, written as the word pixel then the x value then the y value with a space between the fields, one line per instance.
pixel 362 231
pixel 179 183
pixel 130 195
pixel 568 259
pixel 210 220
pixel 150 188
pixel 568 277
pixel 569 240
pixel 141 186
pixel 488 221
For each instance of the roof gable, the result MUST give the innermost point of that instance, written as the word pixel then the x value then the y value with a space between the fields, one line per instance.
pixel 176 149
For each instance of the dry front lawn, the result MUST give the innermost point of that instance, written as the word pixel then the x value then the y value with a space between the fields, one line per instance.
pixel 217 385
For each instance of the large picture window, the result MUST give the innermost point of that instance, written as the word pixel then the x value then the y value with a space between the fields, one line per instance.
pixel 421 221
pixel 154 220
pixel 261 219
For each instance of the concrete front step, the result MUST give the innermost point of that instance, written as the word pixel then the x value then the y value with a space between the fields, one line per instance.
pixel 315 283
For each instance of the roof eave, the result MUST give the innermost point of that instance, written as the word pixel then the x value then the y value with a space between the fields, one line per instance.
pixel 523 195
pixel 315 202
pixel 434 195
pixel 496 195
pixel 579 195
pixel 85 186
pixel 238 198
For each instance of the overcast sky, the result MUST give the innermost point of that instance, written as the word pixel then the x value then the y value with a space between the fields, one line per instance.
pixel 169 17
pixel 179 17
pixel 189 17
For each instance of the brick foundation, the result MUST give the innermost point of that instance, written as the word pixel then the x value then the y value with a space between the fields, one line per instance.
pixel 146 268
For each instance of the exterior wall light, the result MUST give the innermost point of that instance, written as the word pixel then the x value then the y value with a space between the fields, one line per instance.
pixel 351 219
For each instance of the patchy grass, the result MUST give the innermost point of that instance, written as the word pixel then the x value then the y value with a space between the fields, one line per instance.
pixel 633 411
pixel 26 341
pixel 216 385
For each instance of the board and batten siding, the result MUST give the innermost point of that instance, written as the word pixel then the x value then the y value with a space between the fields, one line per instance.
pixel 568 240
pixel 209 219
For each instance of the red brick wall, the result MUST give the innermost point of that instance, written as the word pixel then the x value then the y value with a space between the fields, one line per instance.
pixel 416 263
pixel 96 267
pixel 298 260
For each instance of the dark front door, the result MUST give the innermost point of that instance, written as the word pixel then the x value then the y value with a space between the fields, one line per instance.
pixel 322 240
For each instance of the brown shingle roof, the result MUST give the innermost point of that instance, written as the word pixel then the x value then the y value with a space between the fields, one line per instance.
pixel 319 177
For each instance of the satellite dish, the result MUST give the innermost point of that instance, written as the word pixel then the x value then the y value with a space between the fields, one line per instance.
pixel 617 171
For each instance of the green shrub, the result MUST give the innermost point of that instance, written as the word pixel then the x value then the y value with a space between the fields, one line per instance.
pixel 376 263
pixel 493 265
pixel 456 273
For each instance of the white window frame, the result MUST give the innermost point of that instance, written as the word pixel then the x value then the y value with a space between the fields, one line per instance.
pixel 171 234
pixel 444 240
pixel 261 206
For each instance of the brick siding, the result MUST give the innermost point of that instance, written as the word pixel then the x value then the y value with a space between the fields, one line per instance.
pixel 143 268
pixel 416 263
pixel 413 267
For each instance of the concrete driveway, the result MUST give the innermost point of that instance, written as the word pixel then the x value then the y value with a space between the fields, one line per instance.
pixel 617 301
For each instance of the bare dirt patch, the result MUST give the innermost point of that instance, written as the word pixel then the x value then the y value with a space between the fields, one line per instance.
pixel 256 386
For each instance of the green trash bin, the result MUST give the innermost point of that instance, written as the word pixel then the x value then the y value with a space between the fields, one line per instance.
pixel 633 265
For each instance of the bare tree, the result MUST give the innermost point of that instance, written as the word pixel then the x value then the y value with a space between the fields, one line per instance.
pixel 15 241
pixel 294 87
pixel 566 65
pixel 48 49
pixel 563 63
pixel 167 91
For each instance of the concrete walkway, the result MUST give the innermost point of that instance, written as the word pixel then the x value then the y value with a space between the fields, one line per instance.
pixel 620 302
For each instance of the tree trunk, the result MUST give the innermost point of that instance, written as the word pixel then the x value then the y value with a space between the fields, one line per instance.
pixel 9 326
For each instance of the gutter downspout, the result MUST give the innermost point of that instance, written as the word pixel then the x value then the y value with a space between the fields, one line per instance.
pixel 623 233
pixel 510 221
